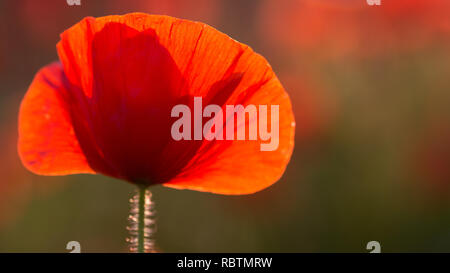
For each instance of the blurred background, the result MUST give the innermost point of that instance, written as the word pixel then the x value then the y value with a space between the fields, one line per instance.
pixel 370 87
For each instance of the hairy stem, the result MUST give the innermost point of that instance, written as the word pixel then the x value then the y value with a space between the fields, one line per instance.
pixel 141 220
pixel 141 225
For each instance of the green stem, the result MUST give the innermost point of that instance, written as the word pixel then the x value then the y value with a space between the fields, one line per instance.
pixel 141 220
pixel 140 223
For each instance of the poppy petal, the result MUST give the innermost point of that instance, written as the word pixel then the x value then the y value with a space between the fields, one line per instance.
pixel 240 167
pixel 206 58
pixel 47 143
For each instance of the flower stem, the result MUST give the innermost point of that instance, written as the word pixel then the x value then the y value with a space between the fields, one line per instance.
pixel 141 226
pixel 141 220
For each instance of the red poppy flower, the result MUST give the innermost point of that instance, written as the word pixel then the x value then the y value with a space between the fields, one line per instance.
pixel 106 106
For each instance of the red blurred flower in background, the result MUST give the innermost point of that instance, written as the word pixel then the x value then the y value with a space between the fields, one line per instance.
pixel 106 107
pixel 14 185
pixel 315 106
pixel 206 11
pixel 342 28
pixel 31 13
pixel 432 158
pixel 17 187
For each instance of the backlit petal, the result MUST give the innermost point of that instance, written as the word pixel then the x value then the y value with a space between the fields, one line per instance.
pixel 127 73
pixel 47 142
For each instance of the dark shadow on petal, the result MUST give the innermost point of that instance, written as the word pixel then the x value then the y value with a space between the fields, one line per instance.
pixel 124 128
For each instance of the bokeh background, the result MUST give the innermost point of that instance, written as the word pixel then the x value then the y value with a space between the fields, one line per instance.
pixel 370 87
